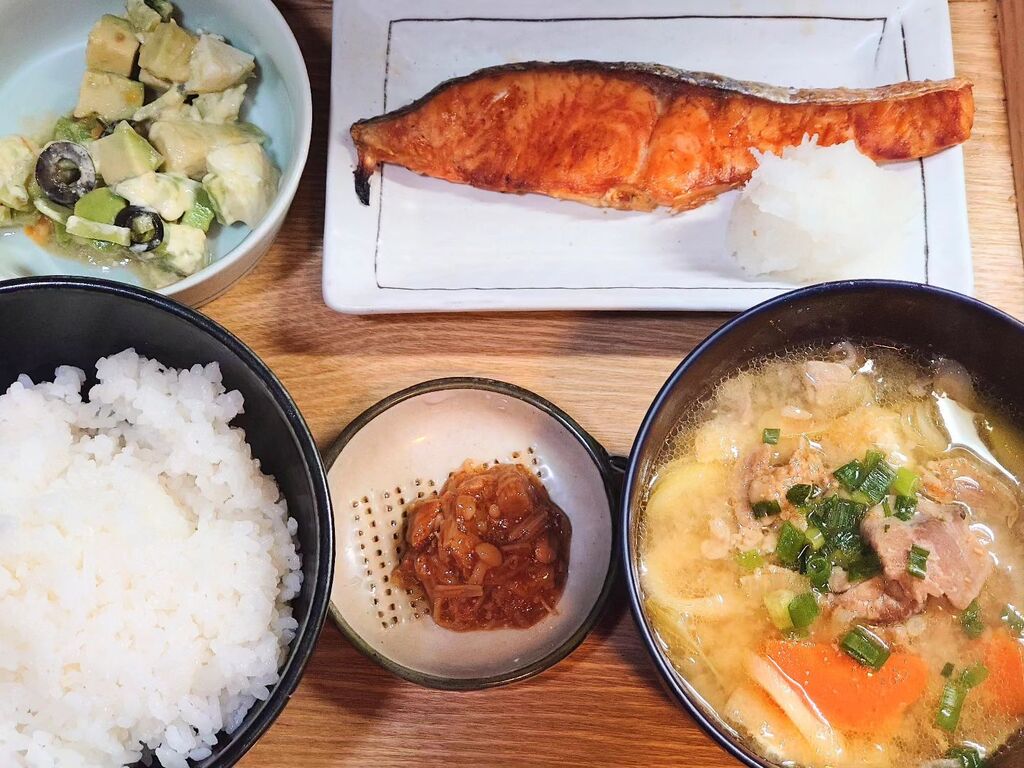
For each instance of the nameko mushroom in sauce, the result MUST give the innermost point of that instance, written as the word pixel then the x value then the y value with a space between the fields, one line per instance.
pixel 491 551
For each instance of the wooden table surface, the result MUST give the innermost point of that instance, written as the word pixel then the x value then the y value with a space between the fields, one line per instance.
pixel 603 705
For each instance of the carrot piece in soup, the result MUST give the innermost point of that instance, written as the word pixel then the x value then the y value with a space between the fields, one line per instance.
pixel 40 231
pixel 1004 658
pixel 849 696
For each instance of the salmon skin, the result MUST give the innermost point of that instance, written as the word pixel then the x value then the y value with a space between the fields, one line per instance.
pixel 640 136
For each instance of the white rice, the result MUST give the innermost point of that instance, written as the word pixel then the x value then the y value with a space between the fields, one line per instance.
pixel 145 567
pixel 825 213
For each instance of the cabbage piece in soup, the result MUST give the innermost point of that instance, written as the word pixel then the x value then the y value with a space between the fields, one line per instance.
pixel 864 566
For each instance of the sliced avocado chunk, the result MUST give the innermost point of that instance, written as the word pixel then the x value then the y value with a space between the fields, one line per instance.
pixel 112 46
pixel 164 7
pixel 52 211
pixel 216 66
pixel 169 106
pixel 94 230
pixel 154 83
pixel 185 144
pixel 108 96
pixel 220 107
pixel 242 183
pixel 183 249
pixel 12 218
pixel 201 214
pixel 100 205
pixel 78 131
pixel 124 154
pixel 17 162
pixel 168 194
pixel 167 51
pixel 141 16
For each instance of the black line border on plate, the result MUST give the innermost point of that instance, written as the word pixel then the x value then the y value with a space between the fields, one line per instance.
pixel 671 17
pixel 677 17
pixel 920 163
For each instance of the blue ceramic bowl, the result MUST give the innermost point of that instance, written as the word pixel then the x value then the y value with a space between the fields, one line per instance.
pixel 42 59
pixel 931 321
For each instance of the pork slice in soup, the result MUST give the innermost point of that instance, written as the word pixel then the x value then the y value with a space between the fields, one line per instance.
pixel 866 573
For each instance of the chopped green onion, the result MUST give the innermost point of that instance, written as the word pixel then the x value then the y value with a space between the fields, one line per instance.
pixel 886 508
pixel 974 675
pixel 871 458
pixel 841 555
pixel 845 548
pixel 800 493
pixel 815 517
pixel 950 706
pixel 803 610
pixel 814 537
pixel 750 560
pixel 864 567
pixel 917 562
pixel 771 436
pixel 818 570
pixel 971 621
pixel 906 507
pixel 842 514
pixel 875 484
pixel 866 647
pixel 838 522
pixel 791 544
pixel 867 480
pixel 850 475
pixel 905 483
pixel 947 670
pixel 862 498
pixel 777 605
pixel 766 508
pixel 1014 620
pixel 967 756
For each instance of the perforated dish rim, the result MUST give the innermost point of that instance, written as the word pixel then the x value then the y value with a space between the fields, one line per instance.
pixel 610 469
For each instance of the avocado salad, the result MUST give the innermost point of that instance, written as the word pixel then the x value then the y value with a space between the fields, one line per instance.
pixel 151 158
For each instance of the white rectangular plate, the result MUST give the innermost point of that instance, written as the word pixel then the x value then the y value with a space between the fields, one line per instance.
pixel 427 245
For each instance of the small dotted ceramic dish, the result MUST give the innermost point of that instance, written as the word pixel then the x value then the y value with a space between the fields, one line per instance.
pixel 402 450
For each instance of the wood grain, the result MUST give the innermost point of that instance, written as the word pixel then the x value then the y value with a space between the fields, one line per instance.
pixel 603 705
pixel 1011 45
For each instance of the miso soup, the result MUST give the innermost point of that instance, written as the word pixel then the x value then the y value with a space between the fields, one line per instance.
pixel 831 553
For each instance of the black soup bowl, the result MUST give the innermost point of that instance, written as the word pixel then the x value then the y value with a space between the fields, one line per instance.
pixel 922 319
pixel 52 321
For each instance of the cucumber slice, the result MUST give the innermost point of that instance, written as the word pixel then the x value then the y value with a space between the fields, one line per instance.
pixel 93 230
pixel 50 210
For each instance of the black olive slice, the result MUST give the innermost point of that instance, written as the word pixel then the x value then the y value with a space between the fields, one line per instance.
pixel 65 172
pixel 145 225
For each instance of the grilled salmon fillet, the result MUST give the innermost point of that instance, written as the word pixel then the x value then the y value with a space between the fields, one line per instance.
pixel 640 136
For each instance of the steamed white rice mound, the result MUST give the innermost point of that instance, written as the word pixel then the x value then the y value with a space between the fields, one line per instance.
pixel 824 213
pixel 145 567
